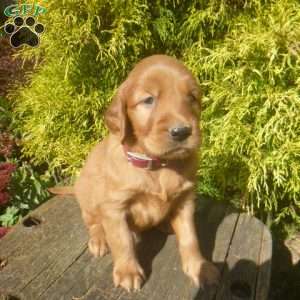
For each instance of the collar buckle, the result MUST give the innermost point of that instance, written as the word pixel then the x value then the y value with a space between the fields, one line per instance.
pixel 149 165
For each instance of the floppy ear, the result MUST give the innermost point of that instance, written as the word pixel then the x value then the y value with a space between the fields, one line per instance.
pixel 115 116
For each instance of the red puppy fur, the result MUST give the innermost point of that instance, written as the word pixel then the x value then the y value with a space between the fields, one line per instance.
pixel 155 112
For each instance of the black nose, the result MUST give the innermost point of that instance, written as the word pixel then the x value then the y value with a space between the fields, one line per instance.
pixel 180 133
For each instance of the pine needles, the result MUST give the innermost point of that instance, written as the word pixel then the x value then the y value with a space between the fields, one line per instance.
pixel 246 54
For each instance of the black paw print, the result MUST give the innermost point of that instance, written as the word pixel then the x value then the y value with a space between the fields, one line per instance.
pixel 24 32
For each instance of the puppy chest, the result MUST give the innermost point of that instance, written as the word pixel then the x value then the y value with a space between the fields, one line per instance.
pixel 147 211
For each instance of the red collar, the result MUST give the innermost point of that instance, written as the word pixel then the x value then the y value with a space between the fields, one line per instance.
pixel 142 160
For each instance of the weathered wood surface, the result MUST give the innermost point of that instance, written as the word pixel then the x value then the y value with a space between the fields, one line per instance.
pixel 50 260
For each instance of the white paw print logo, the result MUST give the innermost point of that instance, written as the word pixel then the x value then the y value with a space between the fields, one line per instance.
pixel 24 32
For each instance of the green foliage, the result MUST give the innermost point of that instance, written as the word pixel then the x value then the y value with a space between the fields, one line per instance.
pixel 245 54
pixel 10 216
pixel 251 112
pixel 28 189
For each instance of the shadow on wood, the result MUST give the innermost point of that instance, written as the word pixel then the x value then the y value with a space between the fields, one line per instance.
pixel 286 270
pixel 149 247
pixel 241 246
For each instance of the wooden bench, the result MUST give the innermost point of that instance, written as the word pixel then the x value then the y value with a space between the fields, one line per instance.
pixel 45 256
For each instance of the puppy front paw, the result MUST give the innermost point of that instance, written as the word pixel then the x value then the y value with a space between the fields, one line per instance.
pixel 98 246
pixel 201 271
pixel 128 275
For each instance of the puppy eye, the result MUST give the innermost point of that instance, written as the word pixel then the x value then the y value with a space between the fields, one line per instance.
pixel 148 101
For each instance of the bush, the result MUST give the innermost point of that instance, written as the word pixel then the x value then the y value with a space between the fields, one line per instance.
pixel 22 188
pixel 245 53
pixel 27 189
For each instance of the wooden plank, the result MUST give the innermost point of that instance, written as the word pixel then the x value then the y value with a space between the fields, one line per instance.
pixel 217 238
pixel 96 274
pixel 242 263
pixel 83 276
pixel 166 281
pixel 51 260
pixel 80 277
pixel 265 262
pixel 37 255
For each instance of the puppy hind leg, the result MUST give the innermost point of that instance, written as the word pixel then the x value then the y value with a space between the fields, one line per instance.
pixel 97 243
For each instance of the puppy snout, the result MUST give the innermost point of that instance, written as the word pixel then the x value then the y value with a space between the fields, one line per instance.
pixel 180 132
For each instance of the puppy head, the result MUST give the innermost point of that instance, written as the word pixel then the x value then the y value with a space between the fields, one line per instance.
pixel 158 105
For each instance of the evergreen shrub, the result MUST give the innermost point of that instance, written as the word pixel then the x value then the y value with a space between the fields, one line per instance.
pixel 246 54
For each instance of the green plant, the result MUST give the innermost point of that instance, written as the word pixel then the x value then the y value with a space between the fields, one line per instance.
pixel 10 216
pixel 245 54
pixel 22 187
pixel 251 110
pixel 27 189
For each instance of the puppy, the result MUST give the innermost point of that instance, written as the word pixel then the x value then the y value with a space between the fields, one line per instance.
pixel 143 173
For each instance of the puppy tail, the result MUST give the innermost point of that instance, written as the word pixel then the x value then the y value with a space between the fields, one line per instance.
pixel 62 190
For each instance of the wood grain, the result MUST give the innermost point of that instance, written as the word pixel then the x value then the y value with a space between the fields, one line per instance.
pixel 51 260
